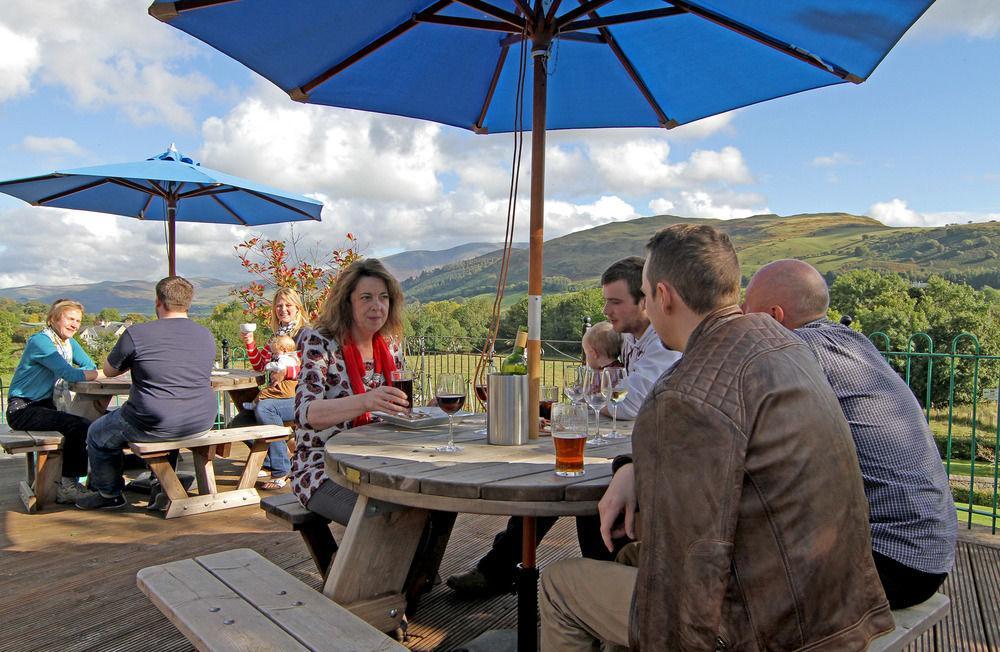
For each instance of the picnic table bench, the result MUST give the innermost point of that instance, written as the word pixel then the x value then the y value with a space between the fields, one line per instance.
pixel 237 600
pixel 204 449
pixel 43 454
pixel 912 623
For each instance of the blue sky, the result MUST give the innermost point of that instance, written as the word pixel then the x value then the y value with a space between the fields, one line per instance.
pixel 917 144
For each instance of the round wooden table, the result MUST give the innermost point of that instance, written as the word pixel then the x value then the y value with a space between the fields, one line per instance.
pixel 93 396
pixel 401 480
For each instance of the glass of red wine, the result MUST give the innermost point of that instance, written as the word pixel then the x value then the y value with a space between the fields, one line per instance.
pixel 450 393
pixel 483 392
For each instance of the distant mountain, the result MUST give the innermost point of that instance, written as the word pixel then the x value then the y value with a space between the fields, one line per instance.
pixel 411 263
pixel 125 296
pixel 833 242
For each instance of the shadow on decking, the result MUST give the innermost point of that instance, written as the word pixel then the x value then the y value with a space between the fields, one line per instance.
pixel 69 575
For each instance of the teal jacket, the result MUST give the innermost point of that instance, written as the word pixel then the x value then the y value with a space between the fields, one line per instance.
pixel 41 365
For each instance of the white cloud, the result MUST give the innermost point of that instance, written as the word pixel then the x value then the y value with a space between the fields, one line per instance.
pixel 895 212
pixel 978 19
pixel 18 62
pixel 111 54
pixel 833 160
pixel 661 206
pixel 722 206
pixel 51 145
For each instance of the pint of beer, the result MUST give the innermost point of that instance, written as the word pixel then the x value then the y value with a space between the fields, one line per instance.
pixel 569 435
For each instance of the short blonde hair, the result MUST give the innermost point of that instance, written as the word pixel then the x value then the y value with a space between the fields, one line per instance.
pixel 281 344
pixel 60 306
pixel 290 295
pixel 604 339
pixel 336 317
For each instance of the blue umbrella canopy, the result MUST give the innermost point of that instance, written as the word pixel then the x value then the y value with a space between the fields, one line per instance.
pixel 593 63
pixel 169 187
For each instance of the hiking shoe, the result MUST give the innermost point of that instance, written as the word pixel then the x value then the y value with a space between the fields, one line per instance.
pixel 69 491
pixel 474 585
pixel 97 500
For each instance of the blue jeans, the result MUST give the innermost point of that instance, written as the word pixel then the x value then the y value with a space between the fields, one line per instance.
pixel 275 412
pixel 105 439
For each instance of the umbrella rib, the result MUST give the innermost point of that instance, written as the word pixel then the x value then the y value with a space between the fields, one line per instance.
pixel 665 121
pixel 167 11
pixel 261 195
pixel 301 94
pixel 496 12
pixel 494 80
pixel 67 193
pixel 573 14
pixel 553 8
pixel 619 19
pixel 771 42
pixel 145 206
pixel 228 210
pixel 132 185
pixel 206 190
pixel 474 23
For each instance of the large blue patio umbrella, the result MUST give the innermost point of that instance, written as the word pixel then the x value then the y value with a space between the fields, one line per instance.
pixel 595 63
pixel 169 187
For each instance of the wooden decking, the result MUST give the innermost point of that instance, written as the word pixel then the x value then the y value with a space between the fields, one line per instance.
pixel 68 576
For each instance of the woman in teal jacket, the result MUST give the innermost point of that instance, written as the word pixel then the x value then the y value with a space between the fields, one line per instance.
pixel 50 356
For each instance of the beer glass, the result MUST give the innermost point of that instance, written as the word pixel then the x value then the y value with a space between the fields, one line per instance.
pixel 569 435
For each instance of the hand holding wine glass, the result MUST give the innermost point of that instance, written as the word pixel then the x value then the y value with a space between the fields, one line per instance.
pixel 450 394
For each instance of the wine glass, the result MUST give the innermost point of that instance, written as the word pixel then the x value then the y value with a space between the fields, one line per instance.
pixel 450 393
pixel 482 393
pixel 574 388
pixel 618 377
pixel 596 390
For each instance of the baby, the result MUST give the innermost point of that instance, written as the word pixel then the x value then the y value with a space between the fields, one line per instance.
pixel 602 346
pixel 282 370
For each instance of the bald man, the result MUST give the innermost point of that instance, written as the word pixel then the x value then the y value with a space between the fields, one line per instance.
pixel 912 515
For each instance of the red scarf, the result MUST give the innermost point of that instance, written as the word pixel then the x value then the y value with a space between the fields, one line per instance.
pixel 385 364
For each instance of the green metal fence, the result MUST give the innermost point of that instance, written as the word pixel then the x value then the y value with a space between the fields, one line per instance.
pixel 958 391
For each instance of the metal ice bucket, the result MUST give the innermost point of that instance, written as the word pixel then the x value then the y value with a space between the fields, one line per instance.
pixel 507 423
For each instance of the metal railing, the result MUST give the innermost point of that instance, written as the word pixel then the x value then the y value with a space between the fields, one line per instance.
pixel 964 415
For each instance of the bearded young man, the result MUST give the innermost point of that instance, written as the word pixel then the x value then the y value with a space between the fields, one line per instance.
pixel 754 524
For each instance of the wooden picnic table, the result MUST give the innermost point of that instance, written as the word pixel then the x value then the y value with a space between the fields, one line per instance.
pixel 401 480
pixel 93 396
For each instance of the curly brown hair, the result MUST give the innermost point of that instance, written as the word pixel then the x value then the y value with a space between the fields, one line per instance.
pixel 336 317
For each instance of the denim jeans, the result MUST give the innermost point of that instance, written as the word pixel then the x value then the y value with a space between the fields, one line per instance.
pixel 275 412
pixel 105 440
pixel 43 415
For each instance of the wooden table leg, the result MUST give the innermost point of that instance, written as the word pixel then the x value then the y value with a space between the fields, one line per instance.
pixel 527 589
pixel 89 406
pixel 370 570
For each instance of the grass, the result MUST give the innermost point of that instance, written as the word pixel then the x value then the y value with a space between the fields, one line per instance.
pixel 978 519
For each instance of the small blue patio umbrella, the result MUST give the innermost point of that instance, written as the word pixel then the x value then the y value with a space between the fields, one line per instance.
pixel 169 187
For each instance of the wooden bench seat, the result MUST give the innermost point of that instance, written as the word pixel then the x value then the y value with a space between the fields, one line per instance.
pixel 237 600
pixel 286 510
pixel 204 449
pixel 912 623
pixel 43 454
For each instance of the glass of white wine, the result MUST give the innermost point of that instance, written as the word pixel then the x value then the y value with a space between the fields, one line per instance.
pixel 596 390
pixel 618 378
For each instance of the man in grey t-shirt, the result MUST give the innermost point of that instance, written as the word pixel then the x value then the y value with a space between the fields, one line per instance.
pixel 171 395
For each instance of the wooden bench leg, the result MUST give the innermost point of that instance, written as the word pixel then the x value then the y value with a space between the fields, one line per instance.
pixel 165 473
pixel 204 469
pixel 370 569
pixel 29 459
pixel 48 471
pixel 320 543
pixel 255 460
pixel 425 565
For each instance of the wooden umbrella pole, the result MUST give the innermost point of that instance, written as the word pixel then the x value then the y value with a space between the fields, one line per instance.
pixel 171 236
pixel 539 53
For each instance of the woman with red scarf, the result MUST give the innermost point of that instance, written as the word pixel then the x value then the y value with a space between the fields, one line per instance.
pixel 346 358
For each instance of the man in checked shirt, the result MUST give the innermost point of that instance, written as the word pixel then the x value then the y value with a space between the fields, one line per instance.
pixel 912 516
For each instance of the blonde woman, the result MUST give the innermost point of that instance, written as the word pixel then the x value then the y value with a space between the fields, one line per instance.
pixel 346 359
pixel 287 319
pixel 49 356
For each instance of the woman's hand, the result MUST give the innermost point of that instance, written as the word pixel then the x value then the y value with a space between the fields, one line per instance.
pixel 384 399
pixel 90 374
pixel 247 338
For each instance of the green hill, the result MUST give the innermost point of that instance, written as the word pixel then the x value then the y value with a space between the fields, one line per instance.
pixel 833 242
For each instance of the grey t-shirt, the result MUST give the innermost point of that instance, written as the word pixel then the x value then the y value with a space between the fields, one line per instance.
pixel 171 364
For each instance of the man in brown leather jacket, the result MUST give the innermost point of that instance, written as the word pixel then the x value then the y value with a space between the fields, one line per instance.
pixel 754 524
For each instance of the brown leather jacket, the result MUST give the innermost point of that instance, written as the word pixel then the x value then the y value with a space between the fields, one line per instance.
pixel 754 520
